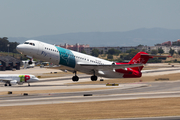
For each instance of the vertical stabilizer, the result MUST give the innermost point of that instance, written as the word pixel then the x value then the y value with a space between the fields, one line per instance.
pixel 140 58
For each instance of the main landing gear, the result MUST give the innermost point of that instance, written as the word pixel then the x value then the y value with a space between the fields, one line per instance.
pixel 94 77
pixel 75 78
pixel 7 85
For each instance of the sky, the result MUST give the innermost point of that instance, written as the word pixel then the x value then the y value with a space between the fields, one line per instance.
pixel 32 18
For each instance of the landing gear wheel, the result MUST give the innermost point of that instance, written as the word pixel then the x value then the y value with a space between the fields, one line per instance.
pixel 75 78
pixel 94 78
pixel 5 84
pixel 30 62
pixel 9 84
pixel 28 84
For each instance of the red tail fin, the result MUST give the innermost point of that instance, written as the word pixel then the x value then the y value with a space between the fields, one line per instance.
pixel 140 58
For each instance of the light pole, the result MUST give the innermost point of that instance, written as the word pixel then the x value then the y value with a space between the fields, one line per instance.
pixel 8 49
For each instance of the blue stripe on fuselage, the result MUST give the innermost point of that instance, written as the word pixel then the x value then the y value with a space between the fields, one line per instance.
pixel 66 57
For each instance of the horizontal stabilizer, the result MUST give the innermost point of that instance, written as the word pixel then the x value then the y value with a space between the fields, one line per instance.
pixel 154 55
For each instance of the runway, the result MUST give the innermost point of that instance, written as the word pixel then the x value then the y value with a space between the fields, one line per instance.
pixel 130 91
pixel 122 92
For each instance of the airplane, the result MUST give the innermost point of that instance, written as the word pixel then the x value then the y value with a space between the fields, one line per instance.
pixel 13 79
pixel 75 61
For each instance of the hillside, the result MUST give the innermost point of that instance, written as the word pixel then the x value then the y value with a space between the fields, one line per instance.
pixel 144 36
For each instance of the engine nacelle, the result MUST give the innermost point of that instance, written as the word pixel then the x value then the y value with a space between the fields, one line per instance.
pixel 30 62
pixel 13 82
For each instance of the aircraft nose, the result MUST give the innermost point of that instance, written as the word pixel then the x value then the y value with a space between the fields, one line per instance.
pixel 20 48
pixel 34 80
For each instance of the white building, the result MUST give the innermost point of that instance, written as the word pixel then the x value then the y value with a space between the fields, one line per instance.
pixel 88 50
pixel 166 48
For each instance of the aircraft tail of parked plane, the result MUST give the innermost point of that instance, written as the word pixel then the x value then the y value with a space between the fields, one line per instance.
pixel 75 61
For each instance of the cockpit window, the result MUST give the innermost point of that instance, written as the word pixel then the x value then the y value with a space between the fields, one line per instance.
pixel 26 43
pixel 29 43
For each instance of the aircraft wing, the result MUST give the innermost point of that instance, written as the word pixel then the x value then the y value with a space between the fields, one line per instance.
pixel 121 66
pixel 97 67
pixel 5 79
pixel 64 68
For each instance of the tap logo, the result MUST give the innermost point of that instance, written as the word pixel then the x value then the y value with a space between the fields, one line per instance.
pixel 24 78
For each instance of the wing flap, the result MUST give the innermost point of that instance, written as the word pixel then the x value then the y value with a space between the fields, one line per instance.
pixel 112 66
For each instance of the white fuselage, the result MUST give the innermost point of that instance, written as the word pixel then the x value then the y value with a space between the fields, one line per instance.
pixel 18 78
pixel 65 57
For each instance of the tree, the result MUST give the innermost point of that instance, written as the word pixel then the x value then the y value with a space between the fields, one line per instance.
pixel 132 53
pixel 161 51
pixel 113 51
pixel 132 50
pixel 83 51
pixel 122 57
pixel 154 52
pixel 171 51
pixel 95 52
pixel 179 52
pixel 110 56
pixel 101 52
pixel 3 45
pixel 140 45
